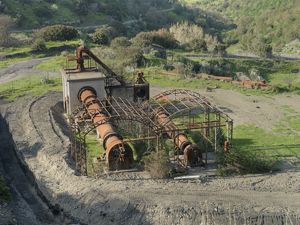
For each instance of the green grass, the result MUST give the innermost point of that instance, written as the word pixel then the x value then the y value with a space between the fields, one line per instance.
pixel 53 64
pixel 4 191
pixel 23 53
pixel 157 76
pixel 29 86
pixel 95 149
pixel 251 138
pixel 282 141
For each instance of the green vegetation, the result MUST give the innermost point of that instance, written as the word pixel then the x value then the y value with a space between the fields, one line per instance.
pixel 30 86
pixel 27 52
pixel 57 33
pixel 95 150
pixel 256 150
pixel 4 192
pixel 53 64
pixel 136 15
pixel 275 21
pixel 157 164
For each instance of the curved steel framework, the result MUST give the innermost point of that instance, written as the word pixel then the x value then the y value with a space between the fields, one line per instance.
pixel 189 110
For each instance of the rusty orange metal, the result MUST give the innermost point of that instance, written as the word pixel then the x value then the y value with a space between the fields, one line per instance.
pixel 118 153
pixel 191 152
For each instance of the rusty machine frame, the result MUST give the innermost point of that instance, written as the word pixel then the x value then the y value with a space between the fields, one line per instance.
pixel 168 115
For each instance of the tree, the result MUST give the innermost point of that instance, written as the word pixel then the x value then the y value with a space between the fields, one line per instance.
pixel 5 23
pixel 120 42
pixel 184 32
pixel 198 45
pixel 103 35
pixel 57 33
pixel 262 48
pixel 38 45
pixel 220 49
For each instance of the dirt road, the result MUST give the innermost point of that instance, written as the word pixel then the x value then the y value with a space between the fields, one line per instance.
pixel 21 69
pixel 40 133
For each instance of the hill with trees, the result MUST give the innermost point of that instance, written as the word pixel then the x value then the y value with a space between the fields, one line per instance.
pixel 137 15
pixel 274 22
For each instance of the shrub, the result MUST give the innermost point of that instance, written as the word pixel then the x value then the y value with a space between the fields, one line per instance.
pixel 43 11
pixel 243 162
pixel 120 42
pixel 132 56
pixel 57 33
pixel 4 191
pixel 198 45
pixel 143 39
pixel 38 45
pixel 220 50
pixel 164 38
pixel 157 165
pixel 161 37
pixel 103 35
pixel 5 23
pixel 185 32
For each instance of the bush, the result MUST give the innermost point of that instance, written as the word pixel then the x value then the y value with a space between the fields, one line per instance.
pixel 185 32
pixel 38 45
pixel 4 191
pixel 220 50
pixel 161 37
pixel 164 38
pixel 57 33
pixel 120 42
pixel 262 48
pixel 143 39
pixel 244 162
pixel 157 165
pixel 5 24
pixel 103 35
pixel 132 56
pixel 198 45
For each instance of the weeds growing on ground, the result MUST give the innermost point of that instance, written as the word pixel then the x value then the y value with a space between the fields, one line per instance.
pixel 4 192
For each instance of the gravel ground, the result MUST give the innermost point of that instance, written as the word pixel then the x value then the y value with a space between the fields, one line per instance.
pixel 40 134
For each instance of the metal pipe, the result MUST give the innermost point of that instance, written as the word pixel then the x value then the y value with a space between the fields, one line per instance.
pixel 118 153
pixel 191 152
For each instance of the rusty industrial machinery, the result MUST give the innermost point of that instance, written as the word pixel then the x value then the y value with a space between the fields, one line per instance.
pixel 98 99
pixel 118 154
pixel 191 152
pixel 80 51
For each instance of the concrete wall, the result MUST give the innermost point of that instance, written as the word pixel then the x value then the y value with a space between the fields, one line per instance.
pixel 72 87
pixel 123 92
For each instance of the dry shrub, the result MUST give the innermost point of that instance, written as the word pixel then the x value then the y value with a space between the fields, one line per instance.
pixel 157 164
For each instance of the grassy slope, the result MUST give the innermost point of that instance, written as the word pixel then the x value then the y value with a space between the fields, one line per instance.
pixel 29 86
pixel 34 13
pixel 24 53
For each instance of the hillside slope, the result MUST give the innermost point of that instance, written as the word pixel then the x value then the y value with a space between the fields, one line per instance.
pixel 139 15
pixel 276 21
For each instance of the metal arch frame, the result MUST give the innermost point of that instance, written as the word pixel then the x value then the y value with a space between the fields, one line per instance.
pixel 200 101
pixel 205 102
pixel 130 112
pixel 118 109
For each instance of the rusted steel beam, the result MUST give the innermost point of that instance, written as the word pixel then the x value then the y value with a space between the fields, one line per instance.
pixel 191 152
pixel 118 153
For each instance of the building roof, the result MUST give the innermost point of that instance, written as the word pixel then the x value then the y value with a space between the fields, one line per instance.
pixel 86 75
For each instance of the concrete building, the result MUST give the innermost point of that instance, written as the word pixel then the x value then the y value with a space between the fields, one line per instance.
pixel 73 82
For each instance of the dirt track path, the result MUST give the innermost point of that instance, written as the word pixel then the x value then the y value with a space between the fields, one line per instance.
pixel 132 197
pixel 26 207
pixel 21 69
